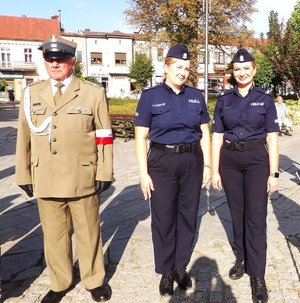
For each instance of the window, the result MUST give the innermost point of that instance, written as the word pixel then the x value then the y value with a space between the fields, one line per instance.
pixel 27 54
pixel 201 58
pixel 79 56
pixel 219 57
pixel 96 58
pixel 5 57
pixel 160 54
pixel 120 58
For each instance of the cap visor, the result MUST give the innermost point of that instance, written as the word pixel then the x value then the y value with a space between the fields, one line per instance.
pixel 57 55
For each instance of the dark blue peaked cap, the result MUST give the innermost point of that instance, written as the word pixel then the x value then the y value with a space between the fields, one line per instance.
pixel 242 55
pixel 179 51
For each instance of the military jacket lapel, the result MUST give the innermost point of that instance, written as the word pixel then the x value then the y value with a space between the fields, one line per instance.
pixel 70 93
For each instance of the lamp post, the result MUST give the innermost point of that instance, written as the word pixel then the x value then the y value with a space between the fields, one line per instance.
pixel 206 4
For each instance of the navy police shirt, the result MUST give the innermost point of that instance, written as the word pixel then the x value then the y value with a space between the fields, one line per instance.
pixel 172 118
pixel 245 118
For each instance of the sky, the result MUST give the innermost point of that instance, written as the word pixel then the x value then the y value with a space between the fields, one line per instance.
pixel 108 16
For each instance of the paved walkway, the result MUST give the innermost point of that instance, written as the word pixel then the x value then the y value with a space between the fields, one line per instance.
pixel 127 237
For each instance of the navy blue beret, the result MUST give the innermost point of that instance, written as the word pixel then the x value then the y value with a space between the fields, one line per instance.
pixel 179 51
pixel 242 55
pixel 58 48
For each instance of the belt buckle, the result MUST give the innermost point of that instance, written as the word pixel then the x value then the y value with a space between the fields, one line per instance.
pixel 242 146
pixel 184 148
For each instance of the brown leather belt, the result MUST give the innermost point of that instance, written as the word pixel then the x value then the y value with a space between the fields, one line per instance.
pixel 176 148
pixel 244 145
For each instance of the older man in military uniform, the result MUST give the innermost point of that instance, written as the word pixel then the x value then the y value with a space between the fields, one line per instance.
pixel 64 159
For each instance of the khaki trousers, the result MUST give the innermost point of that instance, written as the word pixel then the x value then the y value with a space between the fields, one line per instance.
pixel 59 217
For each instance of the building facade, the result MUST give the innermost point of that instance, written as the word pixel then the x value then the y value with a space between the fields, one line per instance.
pixel 105 56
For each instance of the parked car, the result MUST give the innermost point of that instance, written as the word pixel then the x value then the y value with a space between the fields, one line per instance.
pixel 211 92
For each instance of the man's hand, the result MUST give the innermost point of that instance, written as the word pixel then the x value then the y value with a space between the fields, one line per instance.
pixel 28 189
pixel 101 186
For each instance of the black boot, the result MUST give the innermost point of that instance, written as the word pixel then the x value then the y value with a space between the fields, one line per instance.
pixel 182 278
pixel 259 290
pixel 166 284
pixel 237 271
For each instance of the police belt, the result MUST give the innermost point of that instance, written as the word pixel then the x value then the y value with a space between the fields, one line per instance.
pixel 244 145
pixel 176 148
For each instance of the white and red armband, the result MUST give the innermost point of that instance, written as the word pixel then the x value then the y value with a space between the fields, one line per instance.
pixel 104 136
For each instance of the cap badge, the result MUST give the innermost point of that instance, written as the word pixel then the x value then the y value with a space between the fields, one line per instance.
pixel 184 56
pixel 242 58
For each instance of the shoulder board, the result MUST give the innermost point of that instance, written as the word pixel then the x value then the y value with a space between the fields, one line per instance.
pixel 91 83
pixel 150 88
pixel 263 91
pixel 226 92
pixel 35 82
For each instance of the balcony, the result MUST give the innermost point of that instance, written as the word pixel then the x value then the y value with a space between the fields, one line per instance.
pixel 18 66
pixel 220 67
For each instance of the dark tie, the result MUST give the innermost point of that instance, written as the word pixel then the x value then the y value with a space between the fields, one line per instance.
pixel 58 93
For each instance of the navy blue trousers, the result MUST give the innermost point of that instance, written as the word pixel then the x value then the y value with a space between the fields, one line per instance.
pixel 177 182
pixel 244 176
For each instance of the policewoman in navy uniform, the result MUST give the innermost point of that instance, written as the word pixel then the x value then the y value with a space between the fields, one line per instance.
pixel 176 165
pixel 64 159
pixel 245 161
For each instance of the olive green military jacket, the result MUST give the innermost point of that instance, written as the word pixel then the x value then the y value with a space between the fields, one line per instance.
pixel 63 160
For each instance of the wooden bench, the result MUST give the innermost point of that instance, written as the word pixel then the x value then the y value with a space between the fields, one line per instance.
pixel 122 125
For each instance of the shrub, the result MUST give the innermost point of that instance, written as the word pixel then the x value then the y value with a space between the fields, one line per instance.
pixel 122 106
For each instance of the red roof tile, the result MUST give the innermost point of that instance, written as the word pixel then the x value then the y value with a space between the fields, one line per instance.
pixel 30 29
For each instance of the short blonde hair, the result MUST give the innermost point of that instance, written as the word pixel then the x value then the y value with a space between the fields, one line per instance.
pixel 168 61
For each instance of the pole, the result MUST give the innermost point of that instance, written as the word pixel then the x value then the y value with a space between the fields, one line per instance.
pixel 206 54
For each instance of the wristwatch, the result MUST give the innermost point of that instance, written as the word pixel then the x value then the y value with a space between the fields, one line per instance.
pixel 275 175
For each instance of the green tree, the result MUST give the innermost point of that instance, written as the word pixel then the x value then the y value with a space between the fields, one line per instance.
pixel 141 70
pixel 78 73
pixel 3 85
pixel 183 21
pixel 265 75
pixel 78 70
pixel 283 48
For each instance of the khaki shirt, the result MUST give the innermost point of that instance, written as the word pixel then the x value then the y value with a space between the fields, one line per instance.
pixel 66 162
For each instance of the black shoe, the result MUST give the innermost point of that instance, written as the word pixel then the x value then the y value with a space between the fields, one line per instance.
pixel 237 271
pixel 54 296
pixel 166 285
pixel 259 290
pixel 101 293
pixel 288 133
pixel 182 278
pixel 280 134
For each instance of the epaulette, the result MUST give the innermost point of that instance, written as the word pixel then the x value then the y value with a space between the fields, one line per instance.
pixel 35 82
pixel 263 91
pixel 146 89
pixel 227 92
pixel 92 83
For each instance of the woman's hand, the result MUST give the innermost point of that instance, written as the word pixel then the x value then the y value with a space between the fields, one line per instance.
pixel 146 186
pixel 216 181
pixel 206 176
pixel 272 185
